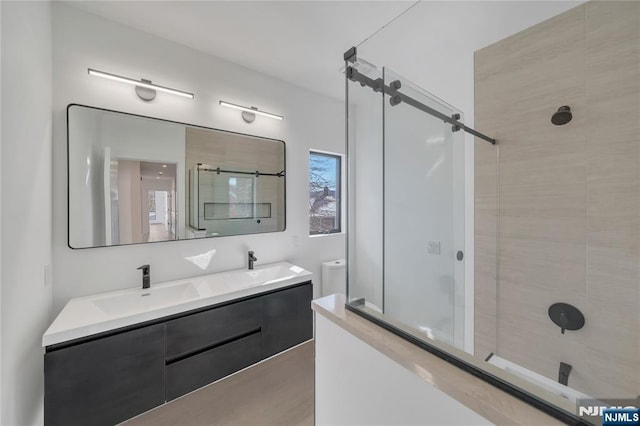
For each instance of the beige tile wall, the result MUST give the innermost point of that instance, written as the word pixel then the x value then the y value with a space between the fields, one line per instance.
pixel 234 151
pixel 558 207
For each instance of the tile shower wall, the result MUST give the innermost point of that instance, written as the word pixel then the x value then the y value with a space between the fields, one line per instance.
pixel 558 207
pixel 235 152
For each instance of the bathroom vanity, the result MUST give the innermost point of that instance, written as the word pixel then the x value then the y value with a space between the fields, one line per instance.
pixel 113 356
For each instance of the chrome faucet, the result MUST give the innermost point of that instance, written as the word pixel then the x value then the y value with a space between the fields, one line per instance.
pixel 146 276
pixel 252 259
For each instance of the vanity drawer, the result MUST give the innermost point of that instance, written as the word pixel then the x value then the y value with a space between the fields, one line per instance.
pixel 201 369
pixel 194 332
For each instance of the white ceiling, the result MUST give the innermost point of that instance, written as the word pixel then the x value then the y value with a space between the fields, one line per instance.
pixel 152 170
pixel 302 42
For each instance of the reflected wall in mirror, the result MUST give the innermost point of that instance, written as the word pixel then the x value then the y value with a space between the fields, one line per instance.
pixel 135 179
pixel 228 193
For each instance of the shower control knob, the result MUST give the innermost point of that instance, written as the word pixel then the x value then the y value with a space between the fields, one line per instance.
pixel 460 255
pixel 566 316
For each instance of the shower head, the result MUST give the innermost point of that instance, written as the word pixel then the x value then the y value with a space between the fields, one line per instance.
pixel 562 116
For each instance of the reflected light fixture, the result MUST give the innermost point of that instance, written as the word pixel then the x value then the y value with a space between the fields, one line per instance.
pixel 249 113
pixel 145 89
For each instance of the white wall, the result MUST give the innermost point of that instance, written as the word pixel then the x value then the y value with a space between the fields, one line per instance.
pixel 1 376
pixel 81 40
pixel 26 205
pixel 84 186
pixel 357 385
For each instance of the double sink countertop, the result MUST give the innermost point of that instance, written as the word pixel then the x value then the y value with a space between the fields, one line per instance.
pixel 85 316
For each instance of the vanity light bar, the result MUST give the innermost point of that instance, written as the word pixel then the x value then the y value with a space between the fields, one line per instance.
pixel 139 83
pixel 251 110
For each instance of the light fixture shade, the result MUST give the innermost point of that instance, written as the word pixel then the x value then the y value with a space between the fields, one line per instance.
pixel 139 83
pixel 251 110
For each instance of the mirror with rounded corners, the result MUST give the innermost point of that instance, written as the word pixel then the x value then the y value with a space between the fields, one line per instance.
pixel 135 179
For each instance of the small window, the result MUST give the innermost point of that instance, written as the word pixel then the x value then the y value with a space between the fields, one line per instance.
pixel 324 193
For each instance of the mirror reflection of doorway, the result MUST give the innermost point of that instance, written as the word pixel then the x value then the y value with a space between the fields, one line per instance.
pixel 158 201
pixel 143 201
pixel 159 216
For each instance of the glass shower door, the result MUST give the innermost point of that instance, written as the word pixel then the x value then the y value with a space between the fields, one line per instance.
pixel 423 215
pixel 226 203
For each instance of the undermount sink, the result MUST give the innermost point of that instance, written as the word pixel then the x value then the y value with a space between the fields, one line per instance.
pixel 146 300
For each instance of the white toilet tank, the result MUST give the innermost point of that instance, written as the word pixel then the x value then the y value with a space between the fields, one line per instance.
pixel 334 277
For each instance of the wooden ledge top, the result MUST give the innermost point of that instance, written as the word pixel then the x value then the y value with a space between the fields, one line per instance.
pixel 490 402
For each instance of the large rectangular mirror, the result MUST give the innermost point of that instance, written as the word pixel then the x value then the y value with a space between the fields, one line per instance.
pixel 135 179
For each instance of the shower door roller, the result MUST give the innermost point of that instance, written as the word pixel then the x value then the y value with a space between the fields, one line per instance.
pixel 460 255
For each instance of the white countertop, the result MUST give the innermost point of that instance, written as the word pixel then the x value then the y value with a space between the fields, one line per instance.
pixel 85 316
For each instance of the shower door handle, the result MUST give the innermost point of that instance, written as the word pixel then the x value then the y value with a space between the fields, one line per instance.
pixel 460 255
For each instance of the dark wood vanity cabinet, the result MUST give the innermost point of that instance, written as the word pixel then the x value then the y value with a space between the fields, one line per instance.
pixel 206 367
pixel 287 320
pixel 195 332
pixel 105 381
pixel 206 346
pixel 109 378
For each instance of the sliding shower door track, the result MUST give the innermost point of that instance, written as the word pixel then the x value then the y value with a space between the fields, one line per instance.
pixel 397 97
pixel 540 404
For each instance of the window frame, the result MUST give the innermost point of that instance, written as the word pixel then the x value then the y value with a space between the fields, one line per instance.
pixel 339 158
